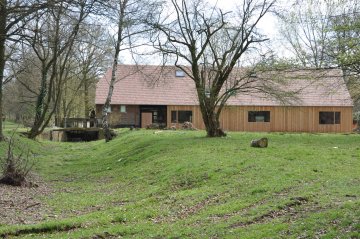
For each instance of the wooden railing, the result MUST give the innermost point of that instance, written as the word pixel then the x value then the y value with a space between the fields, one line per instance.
pixel 80 122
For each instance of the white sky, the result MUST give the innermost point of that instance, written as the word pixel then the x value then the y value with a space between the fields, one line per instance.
pixel 267 25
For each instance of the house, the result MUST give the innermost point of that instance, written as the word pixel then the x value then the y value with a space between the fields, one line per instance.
pixel 165 95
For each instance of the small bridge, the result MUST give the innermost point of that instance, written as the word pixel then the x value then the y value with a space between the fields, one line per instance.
pixel 78 130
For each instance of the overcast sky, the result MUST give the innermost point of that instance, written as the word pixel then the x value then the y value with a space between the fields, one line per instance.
pixel 267 23
pixel 267 26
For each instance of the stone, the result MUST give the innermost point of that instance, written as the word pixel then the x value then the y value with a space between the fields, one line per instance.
pixel 259 143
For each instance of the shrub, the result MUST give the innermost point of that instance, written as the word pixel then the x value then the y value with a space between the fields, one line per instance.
pixel 188 125
pixel 15 170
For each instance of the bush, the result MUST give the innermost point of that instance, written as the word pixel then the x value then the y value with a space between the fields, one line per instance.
pixel 15 170
pixel 188 126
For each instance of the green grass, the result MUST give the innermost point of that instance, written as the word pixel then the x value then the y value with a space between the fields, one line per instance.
pixel 179 184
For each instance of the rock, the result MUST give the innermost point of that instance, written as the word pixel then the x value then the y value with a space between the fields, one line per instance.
pixel 259 143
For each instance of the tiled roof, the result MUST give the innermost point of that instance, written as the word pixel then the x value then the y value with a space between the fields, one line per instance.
pixel 155 85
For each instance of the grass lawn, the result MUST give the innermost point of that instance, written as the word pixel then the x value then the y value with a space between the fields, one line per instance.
pixel 179 184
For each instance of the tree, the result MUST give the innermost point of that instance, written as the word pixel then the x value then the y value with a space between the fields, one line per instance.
pixel 344 43
pixel 3 32
pixel 14 15
pixel 306 30
pixel 93 55
pixel 90 57
pixel 212 43
pixel 323 33
pixel 20 93
pixel 129 17
pixel 344 47
pixel 326 34
pixel 51 36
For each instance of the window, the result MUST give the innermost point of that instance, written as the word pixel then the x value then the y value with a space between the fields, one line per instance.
pixel 173 116
pixel 181 116
pixel 155 116
pixel 184 116
pixel 179 73
pixel 329 117
pixel 259 116
pixel 123 109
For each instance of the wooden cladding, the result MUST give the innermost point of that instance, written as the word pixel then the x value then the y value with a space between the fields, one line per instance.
pixel 282 118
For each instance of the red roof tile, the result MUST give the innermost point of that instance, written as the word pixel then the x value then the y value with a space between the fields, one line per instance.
pixel 154 85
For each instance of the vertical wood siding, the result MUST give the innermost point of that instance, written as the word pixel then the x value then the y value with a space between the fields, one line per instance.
pixel 282 119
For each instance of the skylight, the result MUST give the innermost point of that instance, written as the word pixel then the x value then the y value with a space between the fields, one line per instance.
pixel 179 73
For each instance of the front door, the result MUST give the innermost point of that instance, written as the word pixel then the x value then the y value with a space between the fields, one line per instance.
pixel 146 119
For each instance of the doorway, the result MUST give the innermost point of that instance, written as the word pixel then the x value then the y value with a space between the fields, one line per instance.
pixel 153 114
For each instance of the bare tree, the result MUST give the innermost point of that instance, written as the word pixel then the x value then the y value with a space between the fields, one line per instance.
pixel 90 56
pixel 20 93
pixel 3 32
pixel 129 18
pixel 322 33
pixel 344 44
pixel 305 28
pixel 212 43
pixel 325 34
pixel 344 48
pixel 52 36
pixel 14 15
pixel 93 55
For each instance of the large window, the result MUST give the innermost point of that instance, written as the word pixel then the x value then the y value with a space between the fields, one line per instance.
pixel 184 116
pixel 329 117
pixel 259 116
pixel 181 116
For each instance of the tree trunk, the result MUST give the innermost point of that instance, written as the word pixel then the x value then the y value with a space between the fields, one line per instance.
pixel 57 112
pixel 34 131
pixel 106 107
pixel 2 59
pixel 213 128
pixel 86 98
pixel 211 121
pixel 39 104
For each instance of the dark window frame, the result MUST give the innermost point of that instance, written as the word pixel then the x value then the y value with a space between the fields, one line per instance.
pixel 254 115
pixel 329 117
pixel 181 116
pixel 174 116
pixel 188 115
